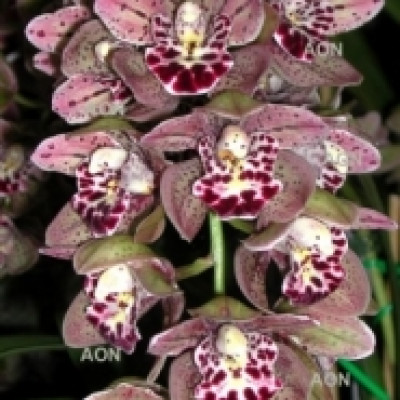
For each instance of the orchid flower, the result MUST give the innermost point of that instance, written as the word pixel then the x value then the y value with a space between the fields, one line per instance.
pixel 187 45
pixel 310 248
pixel 122 281
pixel 115 183
pixel 245 160
pixel 305 26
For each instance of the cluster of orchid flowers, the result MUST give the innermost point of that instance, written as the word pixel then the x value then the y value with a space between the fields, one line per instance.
pixel 230 150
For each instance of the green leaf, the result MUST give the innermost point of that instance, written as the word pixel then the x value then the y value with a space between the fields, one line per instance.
pixel 393 8
pixel 20 344
pixel 390 158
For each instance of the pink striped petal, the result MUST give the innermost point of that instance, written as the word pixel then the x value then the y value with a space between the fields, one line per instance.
pixel 128 21
pixel 184 210
pixel 84 97
pixel 47 31
pixel 329 71
pixel 291 126
pixel 247 18
pixel 65 152
pixel 371 219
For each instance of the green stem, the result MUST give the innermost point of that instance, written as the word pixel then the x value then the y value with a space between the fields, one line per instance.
pixel 364 380
pixel 218 253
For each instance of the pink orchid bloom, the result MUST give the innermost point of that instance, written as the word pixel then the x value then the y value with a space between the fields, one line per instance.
pixel 118 290
pixel 187 46
pixel 310 248
pixel 305 26
pixel 115 179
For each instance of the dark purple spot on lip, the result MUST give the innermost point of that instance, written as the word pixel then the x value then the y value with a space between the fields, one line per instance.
pixel 167 72
pixel 152 59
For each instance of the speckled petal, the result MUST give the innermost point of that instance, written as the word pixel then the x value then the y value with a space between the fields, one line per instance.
pixel 47 31
pixel 247 18
pixel 368 218
pixel 128 21
pixel 329 71
pixel 125 391
pixel 249 63
pixel 291 126
pixel 250 377
pixel 65 152
pixel 148 91
pixel 79 55
pixel 298 179
pixel 76 329
pixel 184 210
pixel 239 192
pixel 84 97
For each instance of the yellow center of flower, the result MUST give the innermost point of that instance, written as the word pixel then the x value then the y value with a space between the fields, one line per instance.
pixel 190 24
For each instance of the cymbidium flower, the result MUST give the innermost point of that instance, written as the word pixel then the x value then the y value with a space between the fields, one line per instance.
pixel 238 180
pixel 232 353
pixel 310 248
pixel 186 44
pixel 243 147
pixel 305 26
pixel 115 179
pixel 122 281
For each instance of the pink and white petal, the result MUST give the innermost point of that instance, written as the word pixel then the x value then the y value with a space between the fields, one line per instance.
pixel 329 71
pixel 48 31
pixel 371 219
pixel 66 229
pixel 249 63
pixel 77 331
pixel 247 19
pixel 45 63
pixel 185 211
pixel 363 157
pixel 84 97
pixel 183 377
pixel 298 178
pixel 350 14
pixel 115 320
pixel 129 65
pixel 130 22
pixel 353 295
pixel 182 78
pixel 61 252
pixel 268 237
pixel 79 55
pixel 240 194
pixel 254 379
pixel 336 336
pixel 291 126
pixel 295 374
pixel 65 152
pixel 250 270
pixel 179 338
pixel 125 391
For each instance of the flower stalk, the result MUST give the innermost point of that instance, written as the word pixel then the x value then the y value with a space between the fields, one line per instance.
pixel 218 253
